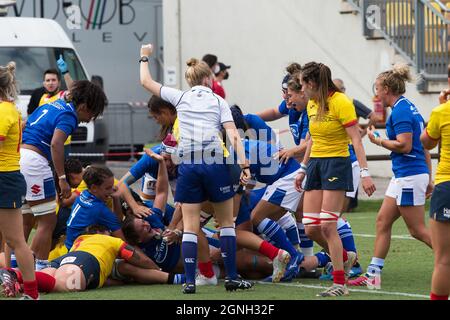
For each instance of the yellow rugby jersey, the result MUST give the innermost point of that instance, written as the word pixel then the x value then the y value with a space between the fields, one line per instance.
pixel 83 186
pixel 104 248
pixel 59 250
pixel 46 98
pixel 439 128
pixel 11 136
pixel 329 136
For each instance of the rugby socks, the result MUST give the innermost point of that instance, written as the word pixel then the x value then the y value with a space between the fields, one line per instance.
pixel 288 224
pixel 323 258
pixel 44 282
pixel 344 255
pixel 189 250
pixel 268 250
pixel 31 288
pixel 228 249
pixel 276 235
pixel 176 278
pixel 338 277
pixel 436 297
pixel 206 269
pixel 346 234
pixel 306 244
pixel 375 266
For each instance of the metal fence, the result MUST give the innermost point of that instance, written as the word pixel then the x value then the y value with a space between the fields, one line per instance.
pixel 129 126
pixel 417 29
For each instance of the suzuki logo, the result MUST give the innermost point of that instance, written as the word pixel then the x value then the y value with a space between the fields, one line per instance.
pixel 35 189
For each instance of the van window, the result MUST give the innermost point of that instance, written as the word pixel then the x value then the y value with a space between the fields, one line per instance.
pixel 31 64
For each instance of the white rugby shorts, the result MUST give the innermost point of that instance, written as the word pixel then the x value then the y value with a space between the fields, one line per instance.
pixel 408 191
pixel 38 175
pixel 356 179
pixel 283 193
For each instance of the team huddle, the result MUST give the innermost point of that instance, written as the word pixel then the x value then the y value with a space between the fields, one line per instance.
pixel 245 208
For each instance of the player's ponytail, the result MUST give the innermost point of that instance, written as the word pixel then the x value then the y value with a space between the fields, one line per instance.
pixel 320 76
pixel 8 84
pixel 196 72
pixel 395 79
pixel 96 175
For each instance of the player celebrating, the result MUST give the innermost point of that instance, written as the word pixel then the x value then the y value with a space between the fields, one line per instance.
pixel 201 115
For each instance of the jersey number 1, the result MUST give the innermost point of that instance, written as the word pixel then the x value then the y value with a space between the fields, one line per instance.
pixel 44 112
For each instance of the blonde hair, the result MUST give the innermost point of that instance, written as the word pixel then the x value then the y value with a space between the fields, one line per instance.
pixel 293 68
pixel 294 83
pixel 395 79
pixel 8 85
pixel 196 72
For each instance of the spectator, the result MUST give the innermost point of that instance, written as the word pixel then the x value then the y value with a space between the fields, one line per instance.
pixel 222 75
pixel 212 61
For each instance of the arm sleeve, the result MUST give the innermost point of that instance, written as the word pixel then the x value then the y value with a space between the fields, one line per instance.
pixel 67 122
pixel 171 95
pixel 345 112
pixel 225 112
pixel 109 219
pixel 305 126
pixel 145 164
pixel 361 109
pixel 256 123
pixel 282 108
pixel 6 122
pixel 434 128
pixel 402 122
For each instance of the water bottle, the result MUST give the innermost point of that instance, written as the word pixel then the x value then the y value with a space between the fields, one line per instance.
pixel 13 260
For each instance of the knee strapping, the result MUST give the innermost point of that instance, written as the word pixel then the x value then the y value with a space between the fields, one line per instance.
pixel 329 216
pixel 311 219
pixel 26 209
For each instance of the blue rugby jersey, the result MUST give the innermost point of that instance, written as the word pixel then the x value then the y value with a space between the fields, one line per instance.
pixel 263 166
pixel 43 122
pixel 405 118
pixel 88 210
pixel 297 122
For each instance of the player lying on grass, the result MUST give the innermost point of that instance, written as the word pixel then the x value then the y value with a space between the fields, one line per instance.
pixel 163 246
pixel 87 266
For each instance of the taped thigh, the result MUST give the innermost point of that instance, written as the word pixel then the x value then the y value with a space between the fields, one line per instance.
pixel 44 208
pixel 311 219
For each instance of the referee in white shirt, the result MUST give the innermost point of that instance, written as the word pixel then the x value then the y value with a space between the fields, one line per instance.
pixel 202 173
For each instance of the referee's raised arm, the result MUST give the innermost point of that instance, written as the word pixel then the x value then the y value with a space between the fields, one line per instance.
pixel 146 78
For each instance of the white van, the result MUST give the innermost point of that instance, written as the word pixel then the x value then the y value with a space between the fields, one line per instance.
pixel 35 44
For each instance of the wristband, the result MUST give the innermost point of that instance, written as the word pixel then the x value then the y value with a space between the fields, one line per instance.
pixel 62 177
pixel 364 172
pixel 302 168
pixel 143 59
pixel 381 142
pixel 245 168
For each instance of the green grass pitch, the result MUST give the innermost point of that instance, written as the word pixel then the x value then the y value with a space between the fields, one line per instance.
pixel 406 275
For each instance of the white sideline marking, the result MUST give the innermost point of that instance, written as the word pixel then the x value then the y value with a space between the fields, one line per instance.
pixel 413 295
pixel 403 237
